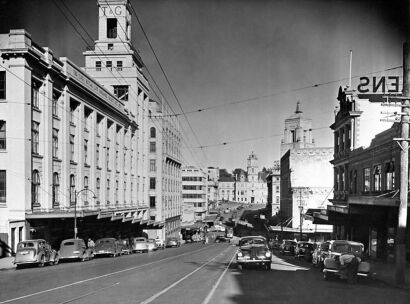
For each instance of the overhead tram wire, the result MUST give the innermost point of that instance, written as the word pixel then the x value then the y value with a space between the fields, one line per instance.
pixel 186 143
pixel 103 53
pixel 166 77
pixel 280 93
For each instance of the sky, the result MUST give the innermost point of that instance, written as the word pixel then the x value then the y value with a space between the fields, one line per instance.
pixel 219 52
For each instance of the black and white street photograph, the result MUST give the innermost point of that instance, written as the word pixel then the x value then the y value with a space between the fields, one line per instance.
pixel 204 151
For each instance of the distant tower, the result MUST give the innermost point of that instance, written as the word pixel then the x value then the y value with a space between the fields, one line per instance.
pixel 297 133
pixel 252 168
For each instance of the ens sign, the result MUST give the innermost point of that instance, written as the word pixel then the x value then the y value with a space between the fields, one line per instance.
pixel 389 84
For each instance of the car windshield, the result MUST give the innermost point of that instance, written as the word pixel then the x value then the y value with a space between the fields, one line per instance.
pixel 289 242
pixel 26 245
pixel 68 243
pixel 324 246
pixel 151 241
pixel 340 248
pixel 251 241
pixel 306 245
pixel 140 240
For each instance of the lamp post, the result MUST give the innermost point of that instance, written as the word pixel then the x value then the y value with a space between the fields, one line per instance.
pixel 75 207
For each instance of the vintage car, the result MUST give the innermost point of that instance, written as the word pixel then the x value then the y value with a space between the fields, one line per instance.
pixel 222 239
pixel 331 265
pixel 287 247
pixel 125 245
pixel 74 249
pixel 35 252
pixel 140 244
pixel 253 250
pixel 160 243
pixel 107 247
pixel 172 242
pixel 152 245
pixel 320 253
pixel 304 250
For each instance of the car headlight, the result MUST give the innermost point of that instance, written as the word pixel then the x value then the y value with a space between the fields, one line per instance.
pixel 268 254
pixel 240 254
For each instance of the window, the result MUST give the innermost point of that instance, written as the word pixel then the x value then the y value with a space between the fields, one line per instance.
pixel 55 143
pixel 121 91
pixel 111 28
pixel 152 202
pixel 153 132
pixel 98 65
pixel 354 181
pixel 293 135
pixel 116 160
pixel 35 186
pixel 366 179
pixel 2 84
pixel 98 186
pixel 108 158
pixel 72 189
pixel 35 94
pixel 110 46
pixel 2 186
pixel 109 65
pixel 86 182
pixel 85 151
pixel 116 190
pixel 97 155
pixel 72 147
pixel 55 105
pixel 390 176
pixel 107 193
pixel 152 183
pixel 2 134
pixel 377 177
pixel 119 65
pixel 152 147
pixel 56 189
pixel 152 165
pixel 35 137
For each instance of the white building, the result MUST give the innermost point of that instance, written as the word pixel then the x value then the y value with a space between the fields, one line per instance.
pixel 164 172
pixel 194 194
pixel 67 135
pixel 213 177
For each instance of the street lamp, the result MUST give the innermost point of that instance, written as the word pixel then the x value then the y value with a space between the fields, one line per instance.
pixel 75 207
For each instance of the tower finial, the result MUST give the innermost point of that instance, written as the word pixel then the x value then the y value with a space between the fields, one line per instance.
pixel 298 110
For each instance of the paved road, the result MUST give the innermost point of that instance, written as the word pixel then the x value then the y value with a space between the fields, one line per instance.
pixel 193 273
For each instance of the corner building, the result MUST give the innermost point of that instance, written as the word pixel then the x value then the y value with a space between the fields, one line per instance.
pixel 74 141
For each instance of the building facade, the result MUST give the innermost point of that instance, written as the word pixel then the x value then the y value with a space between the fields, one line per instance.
pixel 194 194
pixel 165 185
pixel 75 140
pixel 213 177
pixel 273 185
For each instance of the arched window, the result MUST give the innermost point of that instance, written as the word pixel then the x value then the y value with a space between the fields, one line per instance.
pixel 72 189
pixel 153 132
pixel 35 186
pixel 56 189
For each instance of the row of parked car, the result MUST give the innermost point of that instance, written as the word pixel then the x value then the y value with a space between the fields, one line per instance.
pixel 39 251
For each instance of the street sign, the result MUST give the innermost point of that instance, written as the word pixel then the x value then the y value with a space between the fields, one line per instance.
pixel 377 87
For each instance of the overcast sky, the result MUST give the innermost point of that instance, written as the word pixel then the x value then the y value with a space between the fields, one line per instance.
pixel 217 52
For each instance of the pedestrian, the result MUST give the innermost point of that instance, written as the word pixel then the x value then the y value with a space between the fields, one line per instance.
pixel 90 244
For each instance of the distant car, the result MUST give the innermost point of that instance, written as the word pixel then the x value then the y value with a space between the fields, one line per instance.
pixel 74 249
pixel 304 250
pixel 253 250
pixel 125 245
pixel 172 242
pixel 160 243
pixel 152 246
pixel 320 253
pixel 107 247
pixel 221 239
pixel 35 252
pixel 140 244
pixel 287 247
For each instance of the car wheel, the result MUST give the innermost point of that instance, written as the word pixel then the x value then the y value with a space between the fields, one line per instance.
pixel 56 260
pixel 268 266
pixel 42 261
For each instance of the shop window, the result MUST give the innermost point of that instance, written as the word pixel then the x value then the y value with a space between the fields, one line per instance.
pixel 377 178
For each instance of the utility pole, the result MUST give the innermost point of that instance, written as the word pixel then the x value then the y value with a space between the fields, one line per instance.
pixel 300 214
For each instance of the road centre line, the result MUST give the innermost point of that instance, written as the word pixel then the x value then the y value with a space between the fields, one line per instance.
pixel 101 276
pixel 149 300
pixel 89 293
pixel 211 293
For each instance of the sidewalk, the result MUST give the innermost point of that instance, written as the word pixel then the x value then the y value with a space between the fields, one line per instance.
pixel 386 271
pixel 7 263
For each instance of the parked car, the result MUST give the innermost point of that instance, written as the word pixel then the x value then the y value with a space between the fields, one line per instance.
pixel 74 249
pixel 140 244
pixel 253 250
pixel 172 242
pixel 107 247
pixel 304 250
pixel 160 243
pixel 152 245
pixel 337 248
pixel 287 247
pixel 320 253
pixel 35 252
pixel 222 239
pixel 125 245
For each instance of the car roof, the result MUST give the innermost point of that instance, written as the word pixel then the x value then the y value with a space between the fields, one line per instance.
pixel 253 237
pixel 346 242
pixel 34 240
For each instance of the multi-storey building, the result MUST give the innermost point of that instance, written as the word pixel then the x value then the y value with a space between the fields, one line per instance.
pixel 75 145
pixel 194 194
pixel 213 177
pixel 273 184
pixel 165 184
pixel 226 186
pixel 305 176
